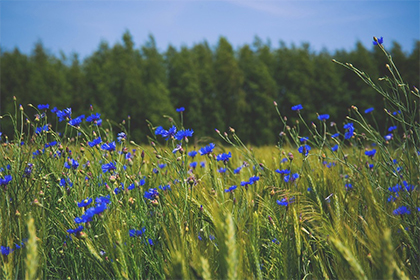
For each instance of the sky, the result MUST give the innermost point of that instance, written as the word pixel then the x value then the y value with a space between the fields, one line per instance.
pixel 79 26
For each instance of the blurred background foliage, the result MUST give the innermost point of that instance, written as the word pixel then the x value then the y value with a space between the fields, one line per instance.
pixel 219 86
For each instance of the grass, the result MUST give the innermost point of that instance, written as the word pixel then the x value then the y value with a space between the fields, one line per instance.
pixel 287 211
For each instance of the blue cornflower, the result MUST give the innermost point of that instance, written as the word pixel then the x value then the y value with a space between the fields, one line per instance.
pixel 121 136
pixel 161 166
pixel 71 163
pixel 95 142
pixel 5 250
pixel 202 164
pixel 291 178
pixel 401 210
pixel 6 180
pixel 165 188
pixel 391 128
pixel 368 110
pixel 177 148
pixel 388 137
pixel 103 199
pixel 43 107
pixel 237 170
pixel 184 134
pixel 151 194
pixel 207 150
pixel 193 164
pixel 165 133
pixel 304 149
pixel 303 139
pixel 396 112
pixel 85 202
pixel 65 182
pixel 350 130
pixel 348 186
pixel 134 232
pixel 285 202
pixel 231 189
pixel 323 117
pixel 108 167
pixel 224 157
pixel 109 147
pixel 192 154
pixel 283 171
pixel 297 107
pixel 39 130
pixel 378 41
pixel 64 114
pixel 75 231
pixel 335 135
pixel 370 153
pixel 77 121
pixel 335 148
pixel 181 109
pixel 94 118
pixel 222 170
pixel 253 179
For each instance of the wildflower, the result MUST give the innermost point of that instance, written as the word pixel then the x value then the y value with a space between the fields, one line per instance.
pixel 207 150
pixel 283 171
pixel 75 231
pixel 285 202
pixel 378 41
pixel 370 153
pixel 71 163
pixel 150 242
pixel 192 154
pixel 335 148
pixel 5 250
pixel 108 167
pixel 103 199
pixel 275 241
pixel 109 147
pixel 28 170
pixel 401 211
pixel 6 180
pixel 161 166
pixel 43 107
pixel 177 148
pixel 304 149
pixel 323 117
pixel 388 137
pixel 64 114
pixel 184 134
pixel 222 170
pixel 39 130
pixel 94 118
pixel 237 170
pixel 77 121
pixel 193 164
pixel 151 194
pixel 297 107
pixel 303 139
pixel 121 136
pixel 391 128
pixel 85 202
pixel 367 111
pixel 253 179
pixel 291 178
pixel 165 133
pixel 224 157
pixel 181 109
pixel 231 189
pixel 350 131
pixel 165 188
pixel 396 112
pixel 95 142
pixel 202 164
pixel 65 182
pixel 134 232
pixel 348 186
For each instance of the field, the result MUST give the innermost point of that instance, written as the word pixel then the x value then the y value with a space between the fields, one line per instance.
pixel 80 200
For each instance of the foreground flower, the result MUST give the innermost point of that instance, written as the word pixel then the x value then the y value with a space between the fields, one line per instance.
pixel 165 133
pixel 378 41
pixel 85 202
pixel 367 111
pixel 109 147
pixel 95 142
pixel 350 130
pixel 207 150
pixel 401 211
pixel 181 109
pixel 323 117
pixel 108 167
pixel 183 134
pixel 297 107
pixel 151 194
pixel 224 157
pixel 304 149
pixel 370 153
pixel 231 189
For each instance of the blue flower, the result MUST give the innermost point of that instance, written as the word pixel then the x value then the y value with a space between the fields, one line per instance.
pixel 71 163
pixel 207 150
pixel 350 131
pixel 108 167
pixel 192 154
pixel 193 164
pixel 323 117
pixel 378 41
pixel 370 153
pixel 95 118
pixel 85 202
pixel 391 128
pixel 303 139
pixel 151 194
pixel 291 178
pixel 283 171
pixel 103 199
pixel 237 170
pixel 348 186
pixel 181 109
pixel 161 166
pixel 231 189
pixel 76 230
pixel 95 142
pixel 65 182
pixel 39 130
pixel 64 114
pixel 367 111
pixel 401 211
pixel 224 157
pixel 165 188
pixel 222 170
pixel 109 147
pixel 297 107
pixel 183 134
pixel 43 107
pixel 6 180
pixel 285 202
pixel 304 149
pixel 388 137
pixel 77 121
pixel 335 148
pixel 335 135
pixel 165 133
pixel 134 232
pixel 5 250
pixel 121 136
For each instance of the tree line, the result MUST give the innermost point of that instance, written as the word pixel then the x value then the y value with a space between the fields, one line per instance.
pixel 219 86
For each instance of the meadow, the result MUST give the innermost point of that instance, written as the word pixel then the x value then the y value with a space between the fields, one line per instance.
pixel 81 200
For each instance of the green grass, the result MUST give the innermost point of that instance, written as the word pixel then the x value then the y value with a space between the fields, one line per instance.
pixel 275 228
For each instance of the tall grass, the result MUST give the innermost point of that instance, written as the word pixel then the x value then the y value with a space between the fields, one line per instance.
pixel 341 202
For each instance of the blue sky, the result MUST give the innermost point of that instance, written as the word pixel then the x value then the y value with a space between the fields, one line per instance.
pixel 79 26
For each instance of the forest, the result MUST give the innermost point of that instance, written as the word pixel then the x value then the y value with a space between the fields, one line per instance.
pixel 219 86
